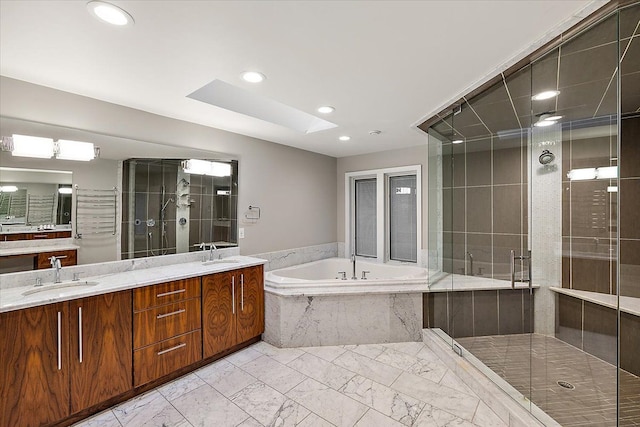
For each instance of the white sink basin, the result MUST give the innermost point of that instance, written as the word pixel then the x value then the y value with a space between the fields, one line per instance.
pixel 63 285
pixel 221 261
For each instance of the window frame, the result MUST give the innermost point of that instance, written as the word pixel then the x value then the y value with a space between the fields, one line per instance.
pixel 383 242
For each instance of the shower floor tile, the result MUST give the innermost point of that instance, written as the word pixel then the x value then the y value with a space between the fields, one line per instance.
pixel 592 402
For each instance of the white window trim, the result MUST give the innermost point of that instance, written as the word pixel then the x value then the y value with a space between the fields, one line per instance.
pixel 382 215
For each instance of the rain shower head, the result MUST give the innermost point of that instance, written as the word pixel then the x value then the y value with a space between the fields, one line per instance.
pixel 184 182
pixel 546 157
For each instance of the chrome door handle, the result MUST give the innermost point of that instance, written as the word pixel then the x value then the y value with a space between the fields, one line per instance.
pixel 513 269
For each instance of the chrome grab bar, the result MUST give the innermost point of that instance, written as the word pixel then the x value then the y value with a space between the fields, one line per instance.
pixel 513 269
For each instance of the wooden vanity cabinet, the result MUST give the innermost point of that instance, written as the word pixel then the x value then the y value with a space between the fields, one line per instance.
pixel 233 303
pixel 12 237
pixel 34 366
pixel 58 359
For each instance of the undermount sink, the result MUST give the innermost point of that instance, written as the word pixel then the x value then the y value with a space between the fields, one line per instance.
pixel 221 261
pixel 71 284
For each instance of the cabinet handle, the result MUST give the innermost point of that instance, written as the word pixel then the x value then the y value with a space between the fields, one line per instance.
pixel 179 291
pixel 161 352
pixel 80 333
pixel 40 236
pixel 242 292
pixel 233 294
pixel 162 316
pixel 59 341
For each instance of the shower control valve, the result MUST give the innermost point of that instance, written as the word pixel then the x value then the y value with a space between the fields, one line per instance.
pixel 364 274
pixel 344 275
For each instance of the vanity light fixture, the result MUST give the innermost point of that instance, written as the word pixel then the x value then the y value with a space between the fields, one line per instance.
pixel 326 109
pixel 344 138
pixel 606 172
pixel 547 94
pixel 65 190
pixel 109 13
pixel 75 150
pixel 546 119
pixel 32 146
pixel 8 189
pixel 253 76
pixel 204 167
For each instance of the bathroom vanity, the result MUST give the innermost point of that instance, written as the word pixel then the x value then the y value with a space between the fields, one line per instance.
pixel 77 347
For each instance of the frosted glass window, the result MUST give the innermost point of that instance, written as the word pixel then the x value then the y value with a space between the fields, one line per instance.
pixel 402 218
pixel 365 217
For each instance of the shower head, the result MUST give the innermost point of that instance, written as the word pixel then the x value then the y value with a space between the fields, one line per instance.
pixel 546 157
pixel 184 182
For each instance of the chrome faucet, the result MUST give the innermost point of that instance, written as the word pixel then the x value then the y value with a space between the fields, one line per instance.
pixel 470 255
pixel 55 263
pixel 353 264
pixel 212 247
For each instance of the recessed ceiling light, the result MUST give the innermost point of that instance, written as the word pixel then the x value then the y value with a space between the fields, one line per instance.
pixel 111 14
pixel 375 132
pixel 457 141
pixel 543 123
pixel 344 138
pixel 326 109
pixel 253 77
pixel 553 118
pixel 547 94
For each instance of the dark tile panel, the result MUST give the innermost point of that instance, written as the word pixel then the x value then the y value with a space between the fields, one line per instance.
pixel 590 209
pixel 499 116
pixel 502 246
pixel 629 18
pixel 629 343
pixel 479 162
pixel 508 212
pixel 629 192
pixel 600 332
pixel 511 311
pixel 453 207
pixel 479 247
pixel 485 313
pixel 630 268
pixel 566 271
pixel 589 274
pixel 569 321
pixel 630 98
pixel 454 253
pixel 438 311
pixel 629 160
pixel 544 73
pixel 461 314
pixel 602 61
pixel 605 32
pixel 528 303
pixel 507 165
pixel 591 152
pixel 479 209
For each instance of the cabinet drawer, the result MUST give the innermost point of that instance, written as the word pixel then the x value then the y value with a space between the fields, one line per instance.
pixel 71 257
pixel 165 293
pixel 159 323
pixel 157 360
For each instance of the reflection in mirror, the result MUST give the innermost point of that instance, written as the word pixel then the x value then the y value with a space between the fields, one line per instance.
pixel 173 205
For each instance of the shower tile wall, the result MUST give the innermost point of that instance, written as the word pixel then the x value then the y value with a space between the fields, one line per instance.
pixel 485 205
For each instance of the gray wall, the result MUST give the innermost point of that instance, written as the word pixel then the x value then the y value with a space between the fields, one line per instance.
pixel 295 189
pixel 385 159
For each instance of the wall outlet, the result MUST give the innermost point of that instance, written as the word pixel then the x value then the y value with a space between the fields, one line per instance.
pixel 240 233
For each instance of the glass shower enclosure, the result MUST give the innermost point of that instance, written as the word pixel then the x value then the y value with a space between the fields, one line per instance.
pixel 534 237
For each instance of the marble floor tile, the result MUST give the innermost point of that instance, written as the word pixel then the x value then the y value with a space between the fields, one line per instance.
pixel 485 417
pixel 205 407
pixel 367 367
pixel 274 374
pixel 182 385
pixel 269 407
pixel 328 353
pixel 149 409
pixel 335 407
pixel 282 355
pixel 369 350
pixel 225 377
pixel 427 354
pixel 434 417
pixel 436 395
pixel 314 420
pixel 397 359
pixel 451 380
pixel 250 422
pixel 383 399
pixel 412 348
pixel 321 370
pixel 103 419
pixel 374 418
pixel 243 356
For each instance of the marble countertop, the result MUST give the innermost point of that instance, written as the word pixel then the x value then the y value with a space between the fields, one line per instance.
pixel 23 250
pixel 629 305
pixel 14 298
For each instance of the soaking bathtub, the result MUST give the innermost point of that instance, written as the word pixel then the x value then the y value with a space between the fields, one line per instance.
pixel 324 277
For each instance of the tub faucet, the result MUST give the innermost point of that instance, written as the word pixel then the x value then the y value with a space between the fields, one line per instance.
pixel 470 255
pixel 353 265
pixel 55 263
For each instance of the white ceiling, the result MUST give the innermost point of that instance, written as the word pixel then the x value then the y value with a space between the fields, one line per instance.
pixel 382 64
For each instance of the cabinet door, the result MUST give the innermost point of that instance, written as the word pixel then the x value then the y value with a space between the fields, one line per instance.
pixel 101 348
pixel 219 293
pixel 71 257
pixel 34 366
pixel 250 303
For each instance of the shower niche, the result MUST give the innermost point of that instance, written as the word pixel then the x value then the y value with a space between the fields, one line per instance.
pixel 173 205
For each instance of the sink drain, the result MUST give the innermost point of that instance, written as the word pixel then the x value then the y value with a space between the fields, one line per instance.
pixel 567 385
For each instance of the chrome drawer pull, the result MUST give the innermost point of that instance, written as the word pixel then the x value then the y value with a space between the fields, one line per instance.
pixel 179 291
pixel 80 333
pixel 161 316
pixel 242 292
pixel 160 353
pixel 233 294
pixel 40 236
pixel 59 341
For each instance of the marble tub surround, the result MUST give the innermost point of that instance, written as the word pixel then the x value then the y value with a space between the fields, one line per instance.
pixel 13 298
pixel 287 258
pixel 240 391
pixel 295 321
